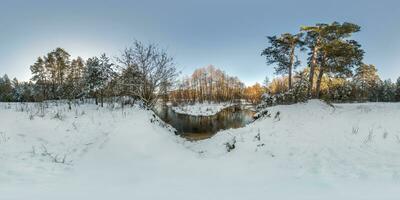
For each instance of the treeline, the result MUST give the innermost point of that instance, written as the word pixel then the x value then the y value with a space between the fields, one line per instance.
pixel 364 85
pixel 335 70
pixel 142 72
pixel 208 84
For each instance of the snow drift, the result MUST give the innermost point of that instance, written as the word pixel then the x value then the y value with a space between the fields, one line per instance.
pixel 302 151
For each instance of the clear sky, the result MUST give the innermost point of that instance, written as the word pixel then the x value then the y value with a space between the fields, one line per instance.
pixel 228 34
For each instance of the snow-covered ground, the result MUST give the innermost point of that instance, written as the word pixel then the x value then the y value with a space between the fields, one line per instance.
pixel 307 151
pixel 201 109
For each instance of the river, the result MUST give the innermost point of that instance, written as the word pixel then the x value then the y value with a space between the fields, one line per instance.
pixel 203 127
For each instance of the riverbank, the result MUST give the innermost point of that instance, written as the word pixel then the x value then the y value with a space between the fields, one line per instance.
pixel 302 151
pixel 201 109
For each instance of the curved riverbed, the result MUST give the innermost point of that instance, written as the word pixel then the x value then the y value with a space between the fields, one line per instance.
pixel 203 127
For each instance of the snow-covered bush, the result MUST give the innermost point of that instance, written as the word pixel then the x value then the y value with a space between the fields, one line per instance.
pixel 261 114
pixel 230 145
pixel 58 115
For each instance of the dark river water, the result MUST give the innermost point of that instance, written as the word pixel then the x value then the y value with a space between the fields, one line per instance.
pixel 202 127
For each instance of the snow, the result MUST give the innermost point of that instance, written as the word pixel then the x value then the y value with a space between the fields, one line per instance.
pixel 201 109
pixel 307 151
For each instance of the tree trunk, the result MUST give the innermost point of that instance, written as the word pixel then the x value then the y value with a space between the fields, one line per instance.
pixel 312 68
pixel 319 80
pixel 101 97
pixel 95 97
pixel 291 66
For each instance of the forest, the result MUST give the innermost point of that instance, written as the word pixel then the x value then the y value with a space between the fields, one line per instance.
pixel 143 72
pixel 334 72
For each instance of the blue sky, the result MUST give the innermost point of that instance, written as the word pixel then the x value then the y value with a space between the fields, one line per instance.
pixel 227 34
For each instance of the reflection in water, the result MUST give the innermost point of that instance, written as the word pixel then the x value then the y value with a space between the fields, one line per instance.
pixel 202 127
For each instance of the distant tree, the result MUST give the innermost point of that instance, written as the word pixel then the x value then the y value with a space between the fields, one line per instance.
pixel 388 91
pixel 300 88
pixel 106 75
pixel 253 93
pixel 74 81
pixel 266 82
pixel 76 76
pixel 40 78
pixel 28 91
pixel 282 53
pixel 367 81
pixel 129 80
pixel 6 89
pixel 278 86
pixel 57 63
pixel 17 90
pixel 397 92
pixel 99 73
pixel 92 76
